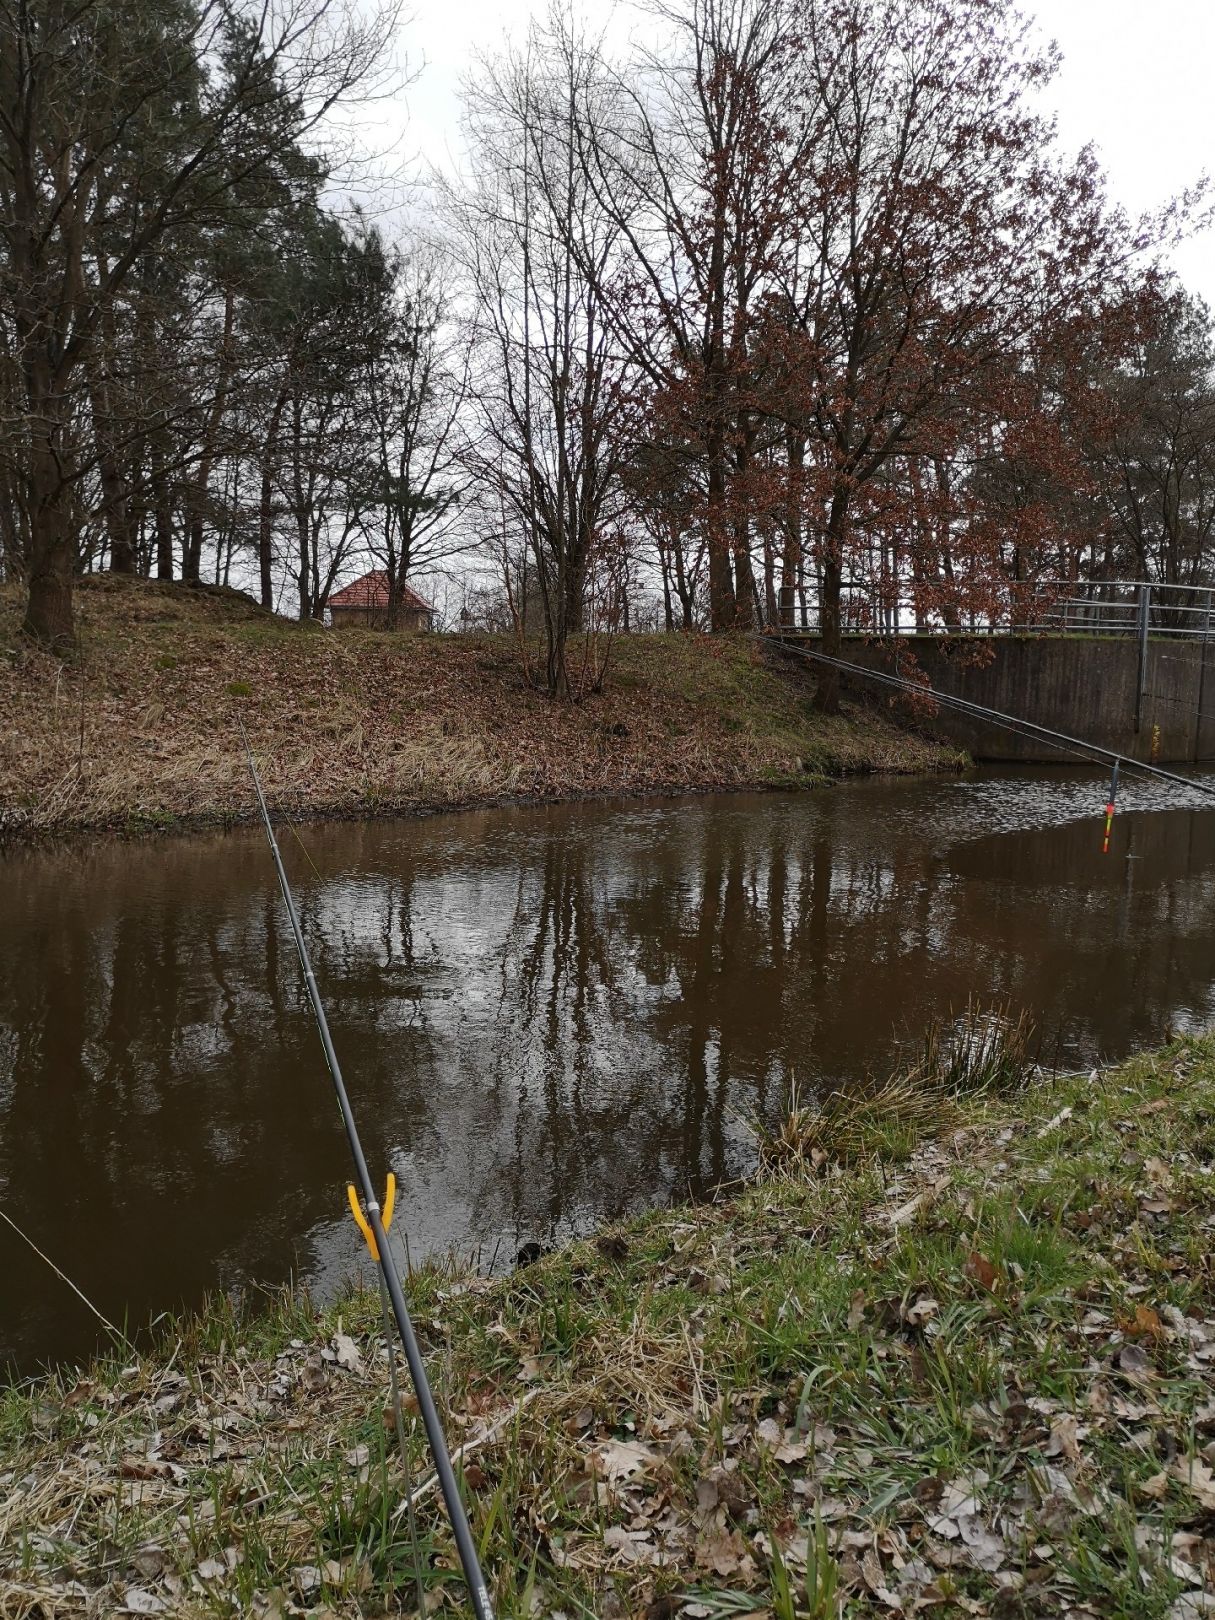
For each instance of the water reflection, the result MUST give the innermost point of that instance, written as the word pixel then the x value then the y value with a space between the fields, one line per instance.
pixel 545 1016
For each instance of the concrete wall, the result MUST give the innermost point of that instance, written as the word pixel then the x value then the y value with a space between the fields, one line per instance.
pixel 1082 685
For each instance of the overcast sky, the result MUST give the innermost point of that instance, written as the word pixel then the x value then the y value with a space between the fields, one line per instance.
pixel 1138 79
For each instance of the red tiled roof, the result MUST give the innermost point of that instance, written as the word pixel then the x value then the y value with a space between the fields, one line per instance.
pixel 372 592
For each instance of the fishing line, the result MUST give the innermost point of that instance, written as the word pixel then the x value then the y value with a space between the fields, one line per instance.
pixel 374 1228
pixel 303 846
pixel 1007 722
pixel 63 1277
pixel 1171 697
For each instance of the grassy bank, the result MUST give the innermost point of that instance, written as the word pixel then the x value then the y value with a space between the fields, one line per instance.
pixel 144 730
pixel 966 1368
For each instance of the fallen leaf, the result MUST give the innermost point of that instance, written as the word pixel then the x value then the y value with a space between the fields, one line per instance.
pixel 921 1310
pixel 780 1443
pixel 1156 1487
pixel 980 1270
pixel 621 1459
pixel 1198 1479
pixel 1145 1324
pixel 1134 1364
pixel 145 1468
pixel 1193 1606
pixel 635 1546
pixel 1063 1440
pixel 724 1552
pixel 312 1374
pixel 872 1573
pixel 150 1561
pixel 1158 1172
pixel 985 1549
pixel 140 1601
pixel 1054 1123
pixel 347 1353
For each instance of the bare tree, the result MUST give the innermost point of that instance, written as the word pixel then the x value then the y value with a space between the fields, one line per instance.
pixel 1159 460
pixel 935 238
pixel 695 168
pixel 536 251
pixel 414 385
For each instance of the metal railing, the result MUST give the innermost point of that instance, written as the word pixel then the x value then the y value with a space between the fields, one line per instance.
pixel 1120 607
pixel 1089 607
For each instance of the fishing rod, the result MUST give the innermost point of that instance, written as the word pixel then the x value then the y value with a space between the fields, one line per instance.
pixel 377 1242
pixel 1008 722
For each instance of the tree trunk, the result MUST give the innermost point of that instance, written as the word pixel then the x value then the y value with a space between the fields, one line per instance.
pixel 192 559
pixel 115 495
pixel 575 587
pixel 164 511
pixel 14 536
pixel 771 613
pixel 745 594
pixel 684 589
pixel 723 606
pixel 49 618
pixel 827 698
pixel 791 555
pixel 265 529
pixel 116 502
pixel 667 606
pixel 301 504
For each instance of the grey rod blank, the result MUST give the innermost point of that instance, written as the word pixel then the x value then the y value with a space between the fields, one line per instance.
pixel 475 1581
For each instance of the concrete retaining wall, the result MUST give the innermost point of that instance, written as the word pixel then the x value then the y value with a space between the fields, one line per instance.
pixel 1082 685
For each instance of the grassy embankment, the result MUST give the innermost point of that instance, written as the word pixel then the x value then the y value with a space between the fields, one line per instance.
pixel 954 1360
pixel 143 730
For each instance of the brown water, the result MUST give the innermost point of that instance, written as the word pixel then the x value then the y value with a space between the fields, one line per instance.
pixel 545 1016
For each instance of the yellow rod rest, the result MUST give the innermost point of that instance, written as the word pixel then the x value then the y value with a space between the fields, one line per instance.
pixel 361 1221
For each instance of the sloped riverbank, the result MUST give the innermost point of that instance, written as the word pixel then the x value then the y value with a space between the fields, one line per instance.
pixel 144 731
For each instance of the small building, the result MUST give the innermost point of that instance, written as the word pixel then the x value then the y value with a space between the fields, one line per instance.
pixel 364 605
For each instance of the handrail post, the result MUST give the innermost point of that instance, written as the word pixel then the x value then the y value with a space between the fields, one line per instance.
pixel 1145 593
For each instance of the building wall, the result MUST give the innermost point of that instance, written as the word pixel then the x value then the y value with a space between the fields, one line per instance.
pixel 347 618
pixel 1082 685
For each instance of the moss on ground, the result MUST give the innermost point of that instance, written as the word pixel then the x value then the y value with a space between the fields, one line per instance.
pixel 144 729
pixel 970 1374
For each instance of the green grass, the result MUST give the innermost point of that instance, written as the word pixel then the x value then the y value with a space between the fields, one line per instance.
pixel 770 1404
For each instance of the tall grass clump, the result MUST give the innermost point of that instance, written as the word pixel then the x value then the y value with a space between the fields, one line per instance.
pixel 987 1050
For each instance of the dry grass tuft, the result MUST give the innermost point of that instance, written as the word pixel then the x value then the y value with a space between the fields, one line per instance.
pixel 985 1051
pixel 849 1127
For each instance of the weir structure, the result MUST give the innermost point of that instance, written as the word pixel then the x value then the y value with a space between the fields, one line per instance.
pixel 1130 665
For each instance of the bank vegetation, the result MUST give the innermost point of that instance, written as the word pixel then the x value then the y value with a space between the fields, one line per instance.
pixel 143 730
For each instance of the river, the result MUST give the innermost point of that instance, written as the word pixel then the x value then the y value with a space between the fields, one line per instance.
pixel 546 1016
